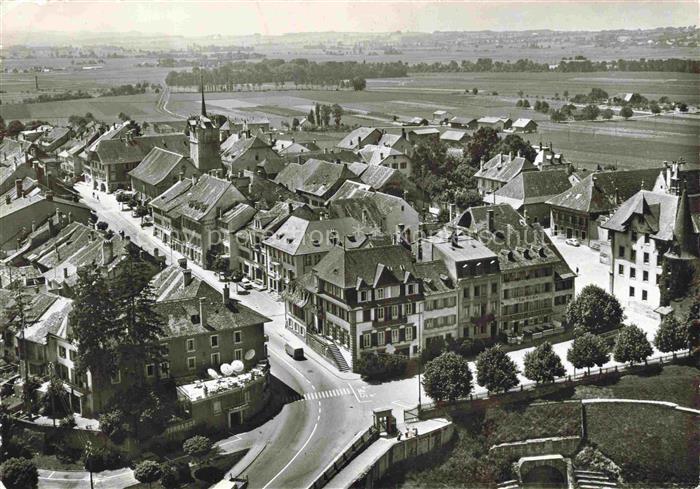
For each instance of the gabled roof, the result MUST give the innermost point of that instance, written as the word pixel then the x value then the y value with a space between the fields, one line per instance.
pixel 315 177
pixel 347 268
pixel 113 151
pixel 272 165
pixel 350 141
pixel 179 303
pixel 299 236
pixel 534 187
pixel 358 168
pixel 195 199
pixel 523 123
pixel 292 147
pixel 435 277
pixel 465 121
pixel 451 135
pixel 267 191
pixel 235 147
pixel 504 168
pixel 271 219
pixel 365 211
pixel 238 217
pixel 377 176
pixel 655 211
pixel 158 165
pixel 604 191
pixel 490 120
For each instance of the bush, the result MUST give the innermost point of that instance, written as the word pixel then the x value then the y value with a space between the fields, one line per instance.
pixel 112 425
pixel 381 366
pixel 19 473
pixel 147 472
pixel 626 112
pixel 68 422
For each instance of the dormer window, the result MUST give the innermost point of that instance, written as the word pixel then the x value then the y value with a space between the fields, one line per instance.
pixel 379 293
pixel 363 296
pixel 411 289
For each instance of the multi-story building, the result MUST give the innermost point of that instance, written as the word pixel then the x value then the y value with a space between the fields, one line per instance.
pixel 364 300
pixel 649 228
pixel 185 215
pixel 500 170
pixel 299 244
pixel 440 308
pixel 575 212
pixel 315 181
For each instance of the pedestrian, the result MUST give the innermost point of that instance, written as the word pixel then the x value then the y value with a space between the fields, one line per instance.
pixel 415 431
pixel 398 438
pixel 408 434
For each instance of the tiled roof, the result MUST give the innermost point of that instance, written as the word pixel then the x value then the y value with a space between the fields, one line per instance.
pixel 364 211
pixel 272 165
pixel 315 177
pixel 299 236
pixel 503 168
pixel 655 213
pixel 348 268
pixel 350 141
pixel 113 151
pixel 355 190
pixel 195 199
pixel 465 121
pixel 357 168
pixel 52 320
pixel 234 146
pixel 377 176
pixel 267 191
pixel 238 217
pixel 532 187
pixel 604 191
pixel 435 277
pixel 158 165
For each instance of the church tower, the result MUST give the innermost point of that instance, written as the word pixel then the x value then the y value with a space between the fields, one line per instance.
pixel 204 140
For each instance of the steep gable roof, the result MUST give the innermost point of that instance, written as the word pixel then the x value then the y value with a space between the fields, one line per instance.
pixel 350 141
pixel 534 187
pixel 157 165
pixel 315 177
pixel 604 191
pixel 656 210
pixel 299 236
pixel 503 168
pixel 113 151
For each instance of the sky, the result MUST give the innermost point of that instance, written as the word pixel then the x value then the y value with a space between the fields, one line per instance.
pixel 196 18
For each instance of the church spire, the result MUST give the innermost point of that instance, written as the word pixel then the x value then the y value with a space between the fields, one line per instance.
pixel 201 84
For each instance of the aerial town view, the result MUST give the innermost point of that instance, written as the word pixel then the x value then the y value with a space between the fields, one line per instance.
pixel 349 244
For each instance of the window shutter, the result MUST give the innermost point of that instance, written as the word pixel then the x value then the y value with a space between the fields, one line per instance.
pixel 374 339
pixel 402 334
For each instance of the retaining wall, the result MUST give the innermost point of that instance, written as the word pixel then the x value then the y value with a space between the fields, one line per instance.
pixel 403 452
pixel 565 445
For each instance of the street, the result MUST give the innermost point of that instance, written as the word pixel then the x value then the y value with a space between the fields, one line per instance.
pixel 332 407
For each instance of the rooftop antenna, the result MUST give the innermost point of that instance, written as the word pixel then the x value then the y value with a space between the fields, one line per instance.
pixel 201 84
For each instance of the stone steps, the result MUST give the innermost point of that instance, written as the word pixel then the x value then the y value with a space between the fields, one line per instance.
pixel 338 357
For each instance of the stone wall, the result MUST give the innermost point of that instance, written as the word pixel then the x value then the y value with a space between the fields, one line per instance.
pixel 565 445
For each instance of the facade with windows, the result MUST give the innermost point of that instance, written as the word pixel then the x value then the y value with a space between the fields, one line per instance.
pixel 366 300
pixel 440 311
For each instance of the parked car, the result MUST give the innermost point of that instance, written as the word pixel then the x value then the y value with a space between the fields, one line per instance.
pixel 295 353
pixel 573 242
pixel 146 221
pixel 246 284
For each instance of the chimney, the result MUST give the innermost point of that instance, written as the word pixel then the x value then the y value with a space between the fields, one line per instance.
pixel 202 312
pixel 65 273
pixel 325 151
pixel 510 156
pixel 293 140
pixel 18 188
pixel 518 153
pixel 403 133
pixel 187 277
pixel 491 221
pixel 290 207
pixel 70 217
pixel 182 262
pixel 481 163
pixel 49 196
pixel 225 295
pixel 7 199
pixel 51 228
pixel 33 225
pixel 107 252
pixel 359 142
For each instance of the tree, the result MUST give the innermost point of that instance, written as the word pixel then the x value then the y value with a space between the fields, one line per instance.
pixel 673 334
pixel 513 143
pixel 14 128
pixel 102 226
pixel 337 114
pixel 626 112
pixel 359 84
pixel 526 104
pixel 326 114
pixel 481 145
pixel 495 370
pixel 590 112
pixel 381 366
pixel 112 425
pixel 606 114
pixel 311 117
pixel 598 94
pixel 94 325
pixel 447 377
pixel 148 472
pixel 566 94
pixel 199 447
pixel 295 124
pixel 56 399
pixel 682 106
pixel 654 107
pixel 29 394
pixel 317 109
pixel 123 117
pixel 475 91
pixel 631 345
pixel 594 310
pixel 19 473
pixel 557 116
pixel 542 364
pixel 519 103
pixel 587 351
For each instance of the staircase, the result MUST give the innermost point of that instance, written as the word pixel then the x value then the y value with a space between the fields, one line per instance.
pixel 338 357
pixel 593 479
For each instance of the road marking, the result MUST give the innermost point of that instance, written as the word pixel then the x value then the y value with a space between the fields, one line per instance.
pixel 236 439
pixel 298 371
pixel 403 404
pixel 355 394
pixel 297 454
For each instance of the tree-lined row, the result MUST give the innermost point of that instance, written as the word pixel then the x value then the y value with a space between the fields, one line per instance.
pixel 576 65
pixel 449 378
pixel 298 71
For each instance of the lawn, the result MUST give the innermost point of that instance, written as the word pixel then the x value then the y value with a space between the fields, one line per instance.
pixel 522 422
pixel 652 444
pixel 675 383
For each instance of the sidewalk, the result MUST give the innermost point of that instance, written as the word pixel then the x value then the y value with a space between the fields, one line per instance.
pixel 109 479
